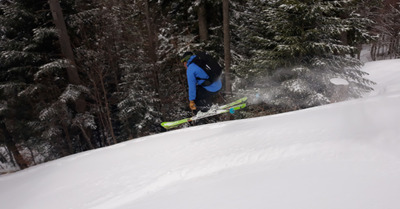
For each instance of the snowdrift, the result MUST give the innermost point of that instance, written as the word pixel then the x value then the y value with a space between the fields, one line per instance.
pixel 343 155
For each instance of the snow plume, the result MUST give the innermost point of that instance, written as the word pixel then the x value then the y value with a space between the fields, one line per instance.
pixel 303 86
pixel 265 92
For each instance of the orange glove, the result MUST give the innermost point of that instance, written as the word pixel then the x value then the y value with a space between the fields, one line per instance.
pixel 192 105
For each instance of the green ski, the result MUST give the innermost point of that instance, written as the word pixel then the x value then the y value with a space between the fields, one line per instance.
pixel 239 101
pixel 231 107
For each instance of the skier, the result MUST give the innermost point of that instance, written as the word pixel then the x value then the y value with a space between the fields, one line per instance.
pixel 203 83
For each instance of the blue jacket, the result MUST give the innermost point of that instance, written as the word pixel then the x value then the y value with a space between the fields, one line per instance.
pixel 194 73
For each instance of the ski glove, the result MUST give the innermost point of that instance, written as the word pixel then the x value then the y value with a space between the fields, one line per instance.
pixel 192 105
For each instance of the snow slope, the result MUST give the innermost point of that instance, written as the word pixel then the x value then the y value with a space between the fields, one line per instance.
pixel 344 155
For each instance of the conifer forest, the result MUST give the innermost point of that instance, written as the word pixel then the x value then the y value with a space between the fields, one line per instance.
pixel 77 75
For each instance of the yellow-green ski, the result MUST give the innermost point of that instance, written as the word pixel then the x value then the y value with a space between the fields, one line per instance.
pixel 231 107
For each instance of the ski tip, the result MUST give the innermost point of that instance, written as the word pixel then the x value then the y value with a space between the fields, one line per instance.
pixel 174 124
pixel 243 99
pixel 167 125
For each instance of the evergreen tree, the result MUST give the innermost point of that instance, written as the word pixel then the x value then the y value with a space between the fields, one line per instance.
pixel 117 51
pixel 26 84
pixel 296 47
pixel 95 33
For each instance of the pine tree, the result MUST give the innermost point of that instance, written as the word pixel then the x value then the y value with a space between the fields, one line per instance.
pixel 26 84
pixel 118 53
pixel 296 47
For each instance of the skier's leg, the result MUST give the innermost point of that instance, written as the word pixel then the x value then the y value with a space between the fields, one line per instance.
pixel 204 99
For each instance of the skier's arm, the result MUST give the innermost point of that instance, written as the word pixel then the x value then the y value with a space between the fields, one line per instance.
pixel 191 83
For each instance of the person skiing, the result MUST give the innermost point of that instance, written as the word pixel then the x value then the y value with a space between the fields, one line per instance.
pixel 202 85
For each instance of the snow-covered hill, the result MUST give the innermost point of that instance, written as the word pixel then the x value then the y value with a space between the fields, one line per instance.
pixel 344 155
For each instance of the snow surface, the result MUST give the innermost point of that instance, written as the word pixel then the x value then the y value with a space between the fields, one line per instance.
pixel 339 156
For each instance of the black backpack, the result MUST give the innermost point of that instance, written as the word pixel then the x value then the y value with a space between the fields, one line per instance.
pixel 209 65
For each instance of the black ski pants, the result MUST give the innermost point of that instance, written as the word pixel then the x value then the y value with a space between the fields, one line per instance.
pixel 204 99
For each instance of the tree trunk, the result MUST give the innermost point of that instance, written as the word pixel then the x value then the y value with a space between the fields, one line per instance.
pixel 108 112
pixel 12 147
pixel 66 50
pixel 152 45
pixel 65 42
pixel 101 113
pixel 67 139
pixel 202 18
pixel 227 47
pixel 152 50
pixel 87 138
